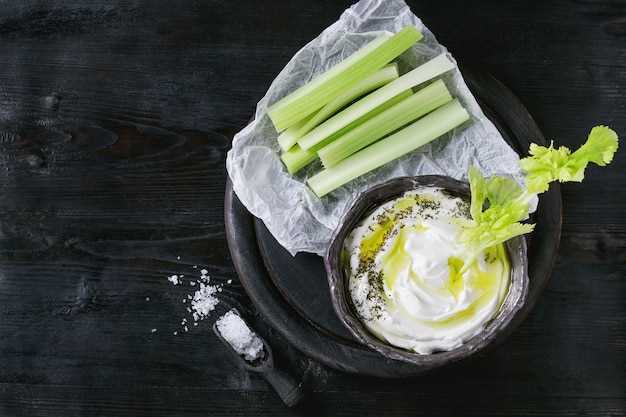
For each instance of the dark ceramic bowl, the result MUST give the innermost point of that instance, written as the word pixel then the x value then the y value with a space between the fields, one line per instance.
pixel 338 278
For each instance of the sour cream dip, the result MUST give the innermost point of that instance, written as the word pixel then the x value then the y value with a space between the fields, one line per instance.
pixel 411 280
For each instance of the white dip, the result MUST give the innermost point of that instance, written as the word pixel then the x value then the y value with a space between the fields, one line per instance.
pixel 408 275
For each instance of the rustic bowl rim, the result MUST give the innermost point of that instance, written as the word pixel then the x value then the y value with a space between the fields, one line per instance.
pixel 366 202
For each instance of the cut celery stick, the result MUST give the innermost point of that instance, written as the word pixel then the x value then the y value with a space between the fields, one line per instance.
pixel 374 81
pixel 297 158
pixel 389 103
pixel 419 75
pixel 289 137
pixel 419 133
pixel 414 107
pixel 325 87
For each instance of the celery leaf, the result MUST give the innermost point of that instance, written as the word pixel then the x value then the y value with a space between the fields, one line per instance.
pixel 499 205
pixel 547 164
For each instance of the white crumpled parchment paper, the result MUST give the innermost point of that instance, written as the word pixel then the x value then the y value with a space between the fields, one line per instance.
pixel 299 220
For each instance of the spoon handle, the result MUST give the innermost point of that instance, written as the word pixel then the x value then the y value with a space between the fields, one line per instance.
pixel 286 386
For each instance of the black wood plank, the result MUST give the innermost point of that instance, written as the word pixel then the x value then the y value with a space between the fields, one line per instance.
pixel 69 401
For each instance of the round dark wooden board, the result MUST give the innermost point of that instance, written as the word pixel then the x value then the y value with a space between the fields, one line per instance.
pixel 292 292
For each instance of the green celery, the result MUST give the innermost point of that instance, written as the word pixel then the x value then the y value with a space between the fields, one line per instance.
pixel 297 158
pixel 324 88
pixel 499 205
pixel 547 164
pixel 408 110
pixel 417 134
pixel 419 75
pixel 289 137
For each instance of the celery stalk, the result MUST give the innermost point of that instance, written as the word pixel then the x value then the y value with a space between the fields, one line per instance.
pixel 325 87
pixel 297 158
pixel 392 147
pixel 412 108
pixel 289 137
pixel 419 75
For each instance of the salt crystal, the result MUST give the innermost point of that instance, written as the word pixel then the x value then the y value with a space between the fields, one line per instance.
pixel 178 258
pixel 235 331
pixel 175 333
pixel 153 330
pixel 147 298
pixel 204 301
pixel 229 281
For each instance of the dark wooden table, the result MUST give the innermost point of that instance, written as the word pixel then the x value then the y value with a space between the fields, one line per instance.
pixel 115 119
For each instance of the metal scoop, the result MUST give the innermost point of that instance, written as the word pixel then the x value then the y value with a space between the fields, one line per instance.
pixel 288 388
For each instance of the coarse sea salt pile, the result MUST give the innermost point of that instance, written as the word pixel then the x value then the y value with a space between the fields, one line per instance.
pixel 235 331
pixel 204 299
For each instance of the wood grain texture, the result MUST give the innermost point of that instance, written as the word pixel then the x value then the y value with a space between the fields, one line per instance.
pixel 115 118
